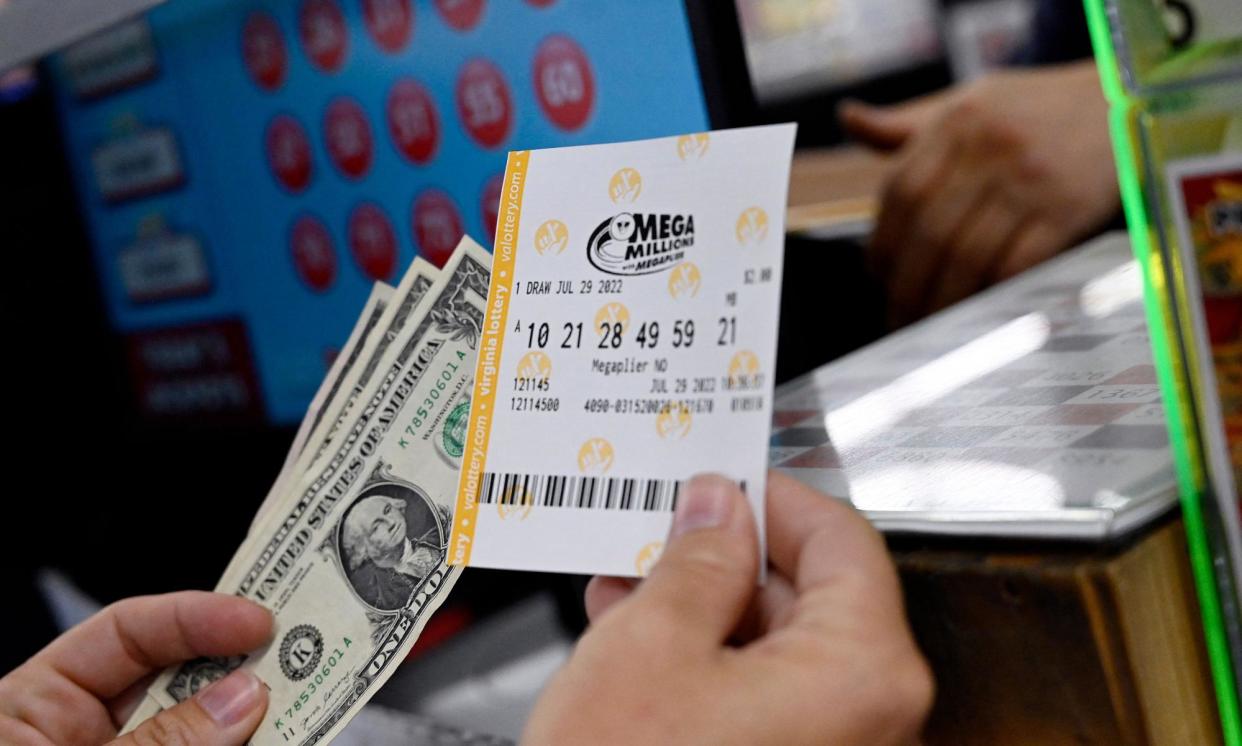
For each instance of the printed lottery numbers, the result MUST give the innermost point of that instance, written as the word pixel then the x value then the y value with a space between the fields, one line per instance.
pixel 612 334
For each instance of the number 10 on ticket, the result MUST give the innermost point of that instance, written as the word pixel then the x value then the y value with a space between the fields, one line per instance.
pixel 628 343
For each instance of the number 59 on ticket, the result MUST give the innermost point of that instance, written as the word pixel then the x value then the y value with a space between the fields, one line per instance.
pixel 628 344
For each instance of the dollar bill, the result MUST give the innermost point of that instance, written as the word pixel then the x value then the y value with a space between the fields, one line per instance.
pixel 414 288
pixel 339 371
pixel 341 367
pixel 402 304
pixel 146 710
pixel 352 561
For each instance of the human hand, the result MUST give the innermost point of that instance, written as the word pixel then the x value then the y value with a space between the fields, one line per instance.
pixel 83 686
pixel 990 179
pixel 697 653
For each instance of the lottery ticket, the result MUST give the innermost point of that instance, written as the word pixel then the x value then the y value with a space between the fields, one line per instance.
pixel 628 344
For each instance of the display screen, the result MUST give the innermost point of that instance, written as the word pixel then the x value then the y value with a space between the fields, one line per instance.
pixel 248 169
pixel 798 47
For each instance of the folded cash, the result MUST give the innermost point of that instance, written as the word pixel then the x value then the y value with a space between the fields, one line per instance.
pixel 348 549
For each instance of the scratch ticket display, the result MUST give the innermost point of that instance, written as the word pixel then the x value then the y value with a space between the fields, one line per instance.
pixel 1172 73
pixel 1207 196
pixel 628 344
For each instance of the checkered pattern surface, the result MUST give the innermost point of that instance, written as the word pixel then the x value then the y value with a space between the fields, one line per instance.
pixel 1032 409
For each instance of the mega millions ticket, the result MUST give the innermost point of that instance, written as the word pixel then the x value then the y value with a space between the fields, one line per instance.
pixel 628 344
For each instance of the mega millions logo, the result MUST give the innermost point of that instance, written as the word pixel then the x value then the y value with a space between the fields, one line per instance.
pixel 640 243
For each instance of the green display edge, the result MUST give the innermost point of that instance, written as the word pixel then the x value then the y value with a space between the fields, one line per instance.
pixel 1159 325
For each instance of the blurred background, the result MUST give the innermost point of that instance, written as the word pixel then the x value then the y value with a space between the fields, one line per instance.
pixel 196 196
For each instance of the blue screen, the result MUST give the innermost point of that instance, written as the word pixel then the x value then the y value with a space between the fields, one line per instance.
pixel 247 169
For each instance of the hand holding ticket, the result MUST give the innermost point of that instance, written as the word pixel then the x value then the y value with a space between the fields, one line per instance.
pixel 628 343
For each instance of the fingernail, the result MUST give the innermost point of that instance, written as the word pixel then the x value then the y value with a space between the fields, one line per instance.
pixel 230 699
pixel 704 503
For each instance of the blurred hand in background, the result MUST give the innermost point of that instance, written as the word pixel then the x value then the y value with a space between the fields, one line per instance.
pixel 990 178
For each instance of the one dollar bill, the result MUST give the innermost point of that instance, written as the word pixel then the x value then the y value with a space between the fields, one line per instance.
pixel 352 560
pixel 352 380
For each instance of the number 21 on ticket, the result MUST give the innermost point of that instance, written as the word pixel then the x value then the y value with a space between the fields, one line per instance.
pixel 628 344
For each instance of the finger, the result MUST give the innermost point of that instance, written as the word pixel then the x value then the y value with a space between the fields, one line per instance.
pixel 125 704
pixel 223 714
pixel 603 592
pixel 928 235
pixel 919 171
pixel 706 577
pixel 132 638
pixel 975 253
pixel 827 548
pixel 771 609
pixel 887 127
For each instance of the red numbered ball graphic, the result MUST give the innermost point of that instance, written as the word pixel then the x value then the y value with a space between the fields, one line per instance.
pixel 263 51
pixel 390 22
pixel 489 202
pixel 313 255
pixel 563 82
pixel 288 152
pixel 484 104
pixel 462 15
pixel 540 3
pixel 436 226
pixel 412 121
pixel 325 38
pixel 372 241
pixel 348 136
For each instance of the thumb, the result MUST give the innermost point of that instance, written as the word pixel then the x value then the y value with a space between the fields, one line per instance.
pixel 884 127
pixel 224 714
pixel 706 576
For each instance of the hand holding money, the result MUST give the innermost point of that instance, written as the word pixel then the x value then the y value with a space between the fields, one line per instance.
pixel 697 654
pixel 77 689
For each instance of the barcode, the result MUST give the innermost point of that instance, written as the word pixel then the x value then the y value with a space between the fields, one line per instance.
pixel 602 493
